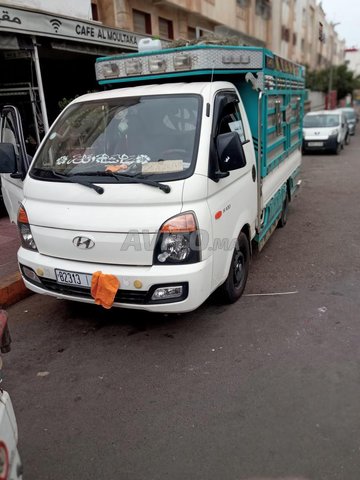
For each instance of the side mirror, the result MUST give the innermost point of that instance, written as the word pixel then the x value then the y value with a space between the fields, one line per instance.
pixel 230 151
pixel 8 163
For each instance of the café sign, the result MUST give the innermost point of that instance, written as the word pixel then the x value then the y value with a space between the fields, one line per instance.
pixel 18 20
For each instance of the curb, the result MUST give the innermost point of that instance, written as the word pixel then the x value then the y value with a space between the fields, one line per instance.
pixel 12 290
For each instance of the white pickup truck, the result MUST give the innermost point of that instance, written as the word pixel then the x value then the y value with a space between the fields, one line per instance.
pixel 166 180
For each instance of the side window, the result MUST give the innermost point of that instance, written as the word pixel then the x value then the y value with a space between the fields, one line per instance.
pixel 226 119
pixel 230 120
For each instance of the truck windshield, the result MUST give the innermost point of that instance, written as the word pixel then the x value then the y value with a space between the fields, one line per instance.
pixel 316 121
pixel 144 136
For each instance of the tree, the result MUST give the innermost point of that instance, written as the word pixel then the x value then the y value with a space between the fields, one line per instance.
pixel 344 80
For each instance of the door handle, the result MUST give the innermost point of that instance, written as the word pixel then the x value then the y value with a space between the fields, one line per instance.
pixel 253 173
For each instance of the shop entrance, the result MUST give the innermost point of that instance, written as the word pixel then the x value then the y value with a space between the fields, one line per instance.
pixel 67 70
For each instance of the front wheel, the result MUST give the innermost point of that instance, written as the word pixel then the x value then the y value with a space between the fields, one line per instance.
pixel 233 287
pixel 337 149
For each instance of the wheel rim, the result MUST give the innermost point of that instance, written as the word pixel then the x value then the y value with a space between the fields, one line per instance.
pixel 238 268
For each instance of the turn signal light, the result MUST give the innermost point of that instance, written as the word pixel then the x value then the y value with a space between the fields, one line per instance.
pixel 22 215
pixel 184 223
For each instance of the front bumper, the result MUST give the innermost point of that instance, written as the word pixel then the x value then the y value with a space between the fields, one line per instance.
pixel 329 143
pixel 196 277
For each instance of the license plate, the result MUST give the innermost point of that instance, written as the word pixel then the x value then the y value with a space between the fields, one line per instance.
pixel 73 278
pixel 316 144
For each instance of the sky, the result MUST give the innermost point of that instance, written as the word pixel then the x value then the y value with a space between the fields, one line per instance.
pixel 347 12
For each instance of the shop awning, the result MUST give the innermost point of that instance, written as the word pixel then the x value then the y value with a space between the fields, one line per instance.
pixel 33 22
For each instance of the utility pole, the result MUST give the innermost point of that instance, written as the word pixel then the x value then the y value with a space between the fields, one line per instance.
pixel 331 63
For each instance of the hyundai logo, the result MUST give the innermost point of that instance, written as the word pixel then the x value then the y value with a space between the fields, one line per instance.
pixel 83 242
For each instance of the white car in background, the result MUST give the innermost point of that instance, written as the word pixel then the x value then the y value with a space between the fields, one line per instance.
pixel 10 463
pixel 324 130
pixel 351 117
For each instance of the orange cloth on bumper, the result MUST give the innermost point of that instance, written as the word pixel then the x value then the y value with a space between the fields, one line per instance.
pixel 104 288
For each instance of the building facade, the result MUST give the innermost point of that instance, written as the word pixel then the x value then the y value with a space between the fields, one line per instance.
pixel 295 29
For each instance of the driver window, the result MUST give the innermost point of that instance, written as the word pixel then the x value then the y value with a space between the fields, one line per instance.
pixel 8 135
pixel 230 120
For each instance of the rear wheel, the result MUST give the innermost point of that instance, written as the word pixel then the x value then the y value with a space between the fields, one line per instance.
pixel 233 287
pixel 284 213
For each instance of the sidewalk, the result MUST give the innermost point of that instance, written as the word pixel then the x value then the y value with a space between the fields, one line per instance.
pixel 12 288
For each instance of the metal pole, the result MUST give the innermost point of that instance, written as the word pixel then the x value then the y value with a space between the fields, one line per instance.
pixel 40 85
pixel 33 100
pixel 330 85
pixel 331 64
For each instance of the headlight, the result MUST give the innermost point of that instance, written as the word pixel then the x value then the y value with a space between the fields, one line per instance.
pixel 175 247
pixel 27 239
pixel 178 241
pixel 334 132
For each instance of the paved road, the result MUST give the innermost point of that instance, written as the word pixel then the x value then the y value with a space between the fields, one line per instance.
pixel 266 388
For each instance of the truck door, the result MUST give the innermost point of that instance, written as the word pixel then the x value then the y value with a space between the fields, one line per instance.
pixel 14 161
pixel 232 196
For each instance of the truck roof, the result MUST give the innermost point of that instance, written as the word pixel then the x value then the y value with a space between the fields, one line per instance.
pixel 161 89
pixel 195 61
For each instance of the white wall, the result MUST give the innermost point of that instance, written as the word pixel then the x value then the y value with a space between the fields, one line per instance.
pixel 69 8
pixel 353 57
pixel 317 100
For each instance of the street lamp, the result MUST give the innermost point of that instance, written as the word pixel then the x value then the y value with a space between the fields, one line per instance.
pixel 331 63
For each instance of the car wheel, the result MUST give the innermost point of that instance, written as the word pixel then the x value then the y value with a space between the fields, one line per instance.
pixel 233 287
pixel 284 214
pixel 337 149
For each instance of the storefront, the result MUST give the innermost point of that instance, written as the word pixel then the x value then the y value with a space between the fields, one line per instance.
pixel 47 60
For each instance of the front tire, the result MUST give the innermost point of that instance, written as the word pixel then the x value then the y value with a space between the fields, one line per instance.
pixel 337 149
pixel 234 286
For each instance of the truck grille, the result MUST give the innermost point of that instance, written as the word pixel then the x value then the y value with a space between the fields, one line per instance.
pixel 122 296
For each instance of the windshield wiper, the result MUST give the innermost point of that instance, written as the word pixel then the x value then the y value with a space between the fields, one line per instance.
pixel 145 181
pixel 71 178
